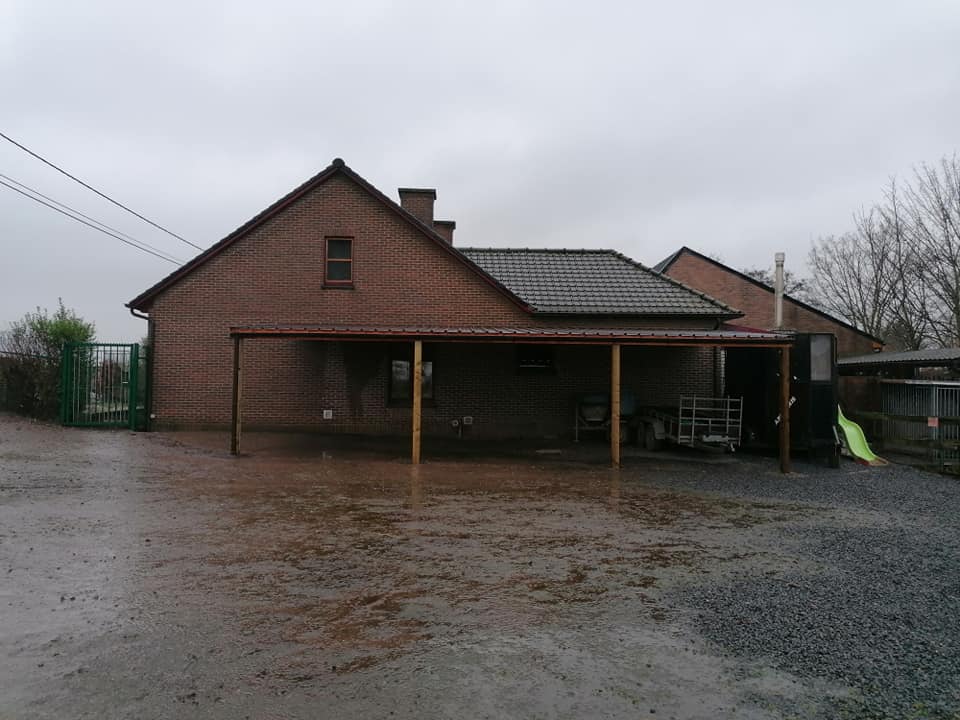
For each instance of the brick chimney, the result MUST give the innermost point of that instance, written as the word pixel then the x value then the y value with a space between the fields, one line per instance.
pixel 445 229
pixel 419 203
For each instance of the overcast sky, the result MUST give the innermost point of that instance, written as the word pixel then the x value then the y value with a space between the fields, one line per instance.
pixel 737 128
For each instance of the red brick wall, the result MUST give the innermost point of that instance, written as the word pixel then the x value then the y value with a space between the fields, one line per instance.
pixel 757 304
pixel 275 275
pixel 480 380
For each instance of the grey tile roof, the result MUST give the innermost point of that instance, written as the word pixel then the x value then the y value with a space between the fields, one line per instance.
pixel 591 282
pixel 918 358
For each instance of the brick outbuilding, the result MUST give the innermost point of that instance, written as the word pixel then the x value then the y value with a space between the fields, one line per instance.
pixel 756 301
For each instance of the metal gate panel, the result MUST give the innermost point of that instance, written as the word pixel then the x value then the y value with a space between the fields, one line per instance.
pixel 100 385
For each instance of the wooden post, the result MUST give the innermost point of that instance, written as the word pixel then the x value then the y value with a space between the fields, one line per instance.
pixel 785 410
pixel 417 373
pixel 237 388
pixel 615 405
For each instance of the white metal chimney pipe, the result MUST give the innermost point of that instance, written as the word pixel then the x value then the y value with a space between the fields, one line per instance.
pixel 778 291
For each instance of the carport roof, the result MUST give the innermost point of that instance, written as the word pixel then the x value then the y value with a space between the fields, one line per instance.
pixel 931 357
pixel 625 336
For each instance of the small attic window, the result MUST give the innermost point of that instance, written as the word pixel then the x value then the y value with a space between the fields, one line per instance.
pixel 339 262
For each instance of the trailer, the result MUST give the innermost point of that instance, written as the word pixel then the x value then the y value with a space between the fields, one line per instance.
pixel 698 421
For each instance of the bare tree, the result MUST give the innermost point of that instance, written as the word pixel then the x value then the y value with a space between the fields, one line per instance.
pixel 908 325
pixel 931 208
pixel 897 274
pixel 855 275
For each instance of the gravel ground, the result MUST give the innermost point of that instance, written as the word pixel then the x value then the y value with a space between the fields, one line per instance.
pixel 154 576
pixel 881 615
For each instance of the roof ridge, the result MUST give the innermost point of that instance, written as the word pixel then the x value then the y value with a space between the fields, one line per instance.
pixel 662 266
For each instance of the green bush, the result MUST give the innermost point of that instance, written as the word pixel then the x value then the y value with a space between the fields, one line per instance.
pixel 31 349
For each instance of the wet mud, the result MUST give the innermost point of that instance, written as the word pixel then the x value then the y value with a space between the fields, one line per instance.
pixel 154 576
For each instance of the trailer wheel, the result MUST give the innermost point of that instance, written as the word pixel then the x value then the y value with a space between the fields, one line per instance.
pixel 650 440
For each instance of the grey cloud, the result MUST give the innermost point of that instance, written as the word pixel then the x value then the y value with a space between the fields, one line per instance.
pixel 737 128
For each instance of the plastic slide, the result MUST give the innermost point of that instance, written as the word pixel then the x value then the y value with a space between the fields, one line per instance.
pixel 856 442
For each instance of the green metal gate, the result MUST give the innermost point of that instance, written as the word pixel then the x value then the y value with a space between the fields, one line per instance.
pixel 103 385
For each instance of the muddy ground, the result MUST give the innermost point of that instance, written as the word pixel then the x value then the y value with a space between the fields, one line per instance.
pixel 155 576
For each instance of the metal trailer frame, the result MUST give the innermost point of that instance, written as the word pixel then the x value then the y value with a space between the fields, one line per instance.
pixel 706 421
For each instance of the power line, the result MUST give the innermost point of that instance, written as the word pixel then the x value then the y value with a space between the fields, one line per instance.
pixel 89 224
pixel 93 189
pixel 135 244
pixel 132 239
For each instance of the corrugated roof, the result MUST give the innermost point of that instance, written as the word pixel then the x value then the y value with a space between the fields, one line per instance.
pixel 591 282
pixel 919 358
pixel 522 334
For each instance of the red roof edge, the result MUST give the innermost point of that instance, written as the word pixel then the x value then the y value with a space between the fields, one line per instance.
pixel 338 166
pixel 517 334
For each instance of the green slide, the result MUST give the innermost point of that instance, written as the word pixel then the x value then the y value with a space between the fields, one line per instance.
pixel 856 442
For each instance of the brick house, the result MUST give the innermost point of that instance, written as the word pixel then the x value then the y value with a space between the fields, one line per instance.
pixel 315 314
pixel 756 301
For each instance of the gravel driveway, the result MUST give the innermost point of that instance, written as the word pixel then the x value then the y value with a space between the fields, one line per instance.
pixel 154 576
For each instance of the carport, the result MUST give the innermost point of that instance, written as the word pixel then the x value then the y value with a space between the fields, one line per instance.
pixel 613 338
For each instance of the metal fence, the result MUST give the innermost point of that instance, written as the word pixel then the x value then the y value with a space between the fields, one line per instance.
pixel 923 415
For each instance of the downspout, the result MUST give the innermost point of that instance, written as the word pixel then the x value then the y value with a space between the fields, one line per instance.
pixel 148 395
pixel 717 325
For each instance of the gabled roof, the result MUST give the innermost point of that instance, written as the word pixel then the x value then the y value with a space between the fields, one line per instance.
pixel 542 281
pixel 337 167
pixel 592 282
pixel 667 262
